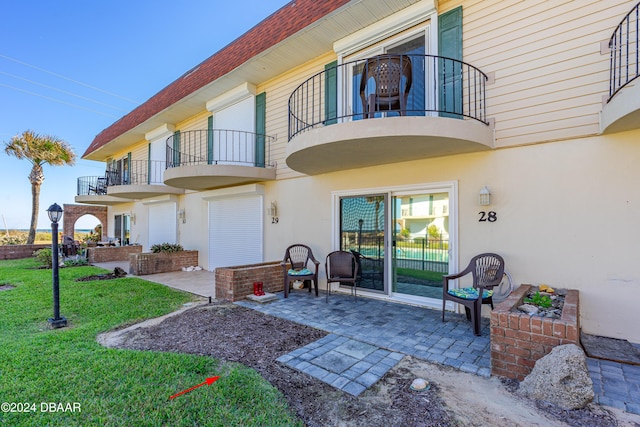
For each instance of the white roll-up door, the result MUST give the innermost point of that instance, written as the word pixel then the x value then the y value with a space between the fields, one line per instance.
pixel 235 231
pixel 162 223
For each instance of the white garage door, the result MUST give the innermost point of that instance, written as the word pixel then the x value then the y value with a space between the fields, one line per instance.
pixel 235 231
pixel 162 223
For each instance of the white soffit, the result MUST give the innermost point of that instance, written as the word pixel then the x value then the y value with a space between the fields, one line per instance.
pixel 164 130
pixel 386 27
pixel 231 97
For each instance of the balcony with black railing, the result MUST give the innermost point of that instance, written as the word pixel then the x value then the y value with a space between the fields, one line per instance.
pixel 216 158
pixel 386 109
pixel 92 190
pixel 622 109
pixel 139 179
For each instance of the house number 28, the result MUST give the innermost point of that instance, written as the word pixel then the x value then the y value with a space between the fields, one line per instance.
pixel 490 216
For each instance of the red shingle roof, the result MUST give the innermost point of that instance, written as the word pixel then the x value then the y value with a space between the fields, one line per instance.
pixel 288 20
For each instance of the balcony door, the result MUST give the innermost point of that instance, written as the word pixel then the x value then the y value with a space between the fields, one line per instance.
pixel 415 47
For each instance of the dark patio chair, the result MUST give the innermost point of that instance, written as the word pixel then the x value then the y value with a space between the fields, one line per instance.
pixel 390 73
pixel 100 188
pixel 342 267
pixel 487 270
pixel 370 270
pixel 296 267
pixel 69 246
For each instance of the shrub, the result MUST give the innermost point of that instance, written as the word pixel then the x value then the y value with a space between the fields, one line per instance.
pixel 19 239
pixel 76 262
pixel 44 256
pixel 166 247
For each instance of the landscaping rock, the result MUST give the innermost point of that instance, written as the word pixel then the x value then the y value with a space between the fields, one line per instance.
pixel 561 378
pixel 119 272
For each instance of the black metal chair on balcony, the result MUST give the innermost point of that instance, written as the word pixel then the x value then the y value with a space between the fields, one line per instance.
pixel 392 78
pixel 296 267
pixel 342 267
pixel 100 188
pixel 487 270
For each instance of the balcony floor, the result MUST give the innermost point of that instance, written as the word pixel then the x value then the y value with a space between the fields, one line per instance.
pixel 141 191
pixel 379 141
pixel 205 177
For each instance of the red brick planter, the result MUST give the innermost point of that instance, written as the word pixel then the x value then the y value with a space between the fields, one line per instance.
pixel 111 253
pixel 162 262
pixel 518 340
pixel 235 283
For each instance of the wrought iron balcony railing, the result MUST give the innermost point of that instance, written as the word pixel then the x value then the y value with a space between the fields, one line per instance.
pixel 138 172
pixel 91 186
pixel 434 86
pixel 624 53
pixel 219 147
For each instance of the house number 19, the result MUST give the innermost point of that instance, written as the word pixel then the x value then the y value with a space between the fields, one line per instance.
pixel 490 216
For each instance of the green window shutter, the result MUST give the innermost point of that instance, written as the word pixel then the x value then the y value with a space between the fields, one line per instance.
pixel 261 129
pixel 176 148
pixel 149 163
pixel 331 93
pixel 209 140
pixel 450 72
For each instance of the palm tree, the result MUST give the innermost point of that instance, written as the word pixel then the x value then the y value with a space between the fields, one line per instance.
pixel 39 150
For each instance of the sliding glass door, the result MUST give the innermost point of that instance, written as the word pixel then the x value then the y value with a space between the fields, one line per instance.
pixel 403 238
pixel 421 243
pixel 362 231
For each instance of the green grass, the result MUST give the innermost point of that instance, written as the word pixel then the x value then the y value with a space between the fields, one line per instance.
pixel 421 274
pixel 113 387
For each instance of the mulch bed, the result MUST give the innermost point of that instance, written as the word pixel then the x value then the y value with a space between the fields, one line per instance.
pixel 239 334
pixel 233 333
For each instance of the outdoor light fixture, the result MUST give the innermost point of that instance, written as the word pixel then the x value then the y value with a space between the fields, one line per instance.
pixel 182 216
pixel 485 196
pixel 273 210
pixel 132 217
pixel 55 214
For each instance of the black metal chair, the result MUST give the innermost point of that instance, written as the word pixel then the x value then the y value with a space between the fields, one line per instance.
pixel 342 267
pixel 298 257
pixel 370 271
pixel 487 270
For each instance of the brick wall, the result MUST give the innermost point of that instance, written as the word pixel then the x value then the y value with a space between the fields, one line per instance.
pixel 518 340
pixel 110 253
pixel 20 251
pixel 150 263
pixel 235 283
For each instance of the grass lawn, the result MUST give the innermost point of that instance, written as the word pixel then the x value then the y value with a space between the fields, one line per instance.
pixel 433 276
pixel 112 387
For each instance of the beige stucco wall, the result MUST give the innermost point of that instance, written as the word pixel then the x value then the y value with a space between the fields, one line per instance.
pixel 567 216
pixel 567 199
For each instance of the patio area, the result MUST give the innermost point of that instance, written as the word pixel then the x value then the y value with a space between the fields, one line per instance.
pixel 368 337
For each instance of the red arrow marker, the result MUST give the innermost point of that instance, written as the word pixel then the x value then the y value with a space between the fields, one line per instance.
pixel 209 381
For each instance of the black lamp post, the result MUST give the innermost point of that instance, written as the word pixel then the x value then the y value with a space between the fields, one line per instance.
pixel 55 213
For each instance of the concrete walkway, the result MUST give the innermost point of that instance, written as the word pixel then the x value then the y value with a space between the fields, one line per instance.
pixel 201 283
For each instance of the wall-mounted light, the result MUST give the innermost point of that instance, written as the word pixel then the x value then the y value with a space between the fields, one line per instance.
pixel 485 196
pixel 273 209
pixel 182 216
pixel 132 217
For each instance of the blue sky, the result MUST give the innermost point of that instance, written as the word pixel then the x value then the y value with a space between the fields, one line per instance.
pixel 71 68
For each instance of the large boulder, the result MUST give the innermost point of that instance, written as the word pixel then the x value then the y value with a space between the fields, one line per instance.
pixel 561 377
